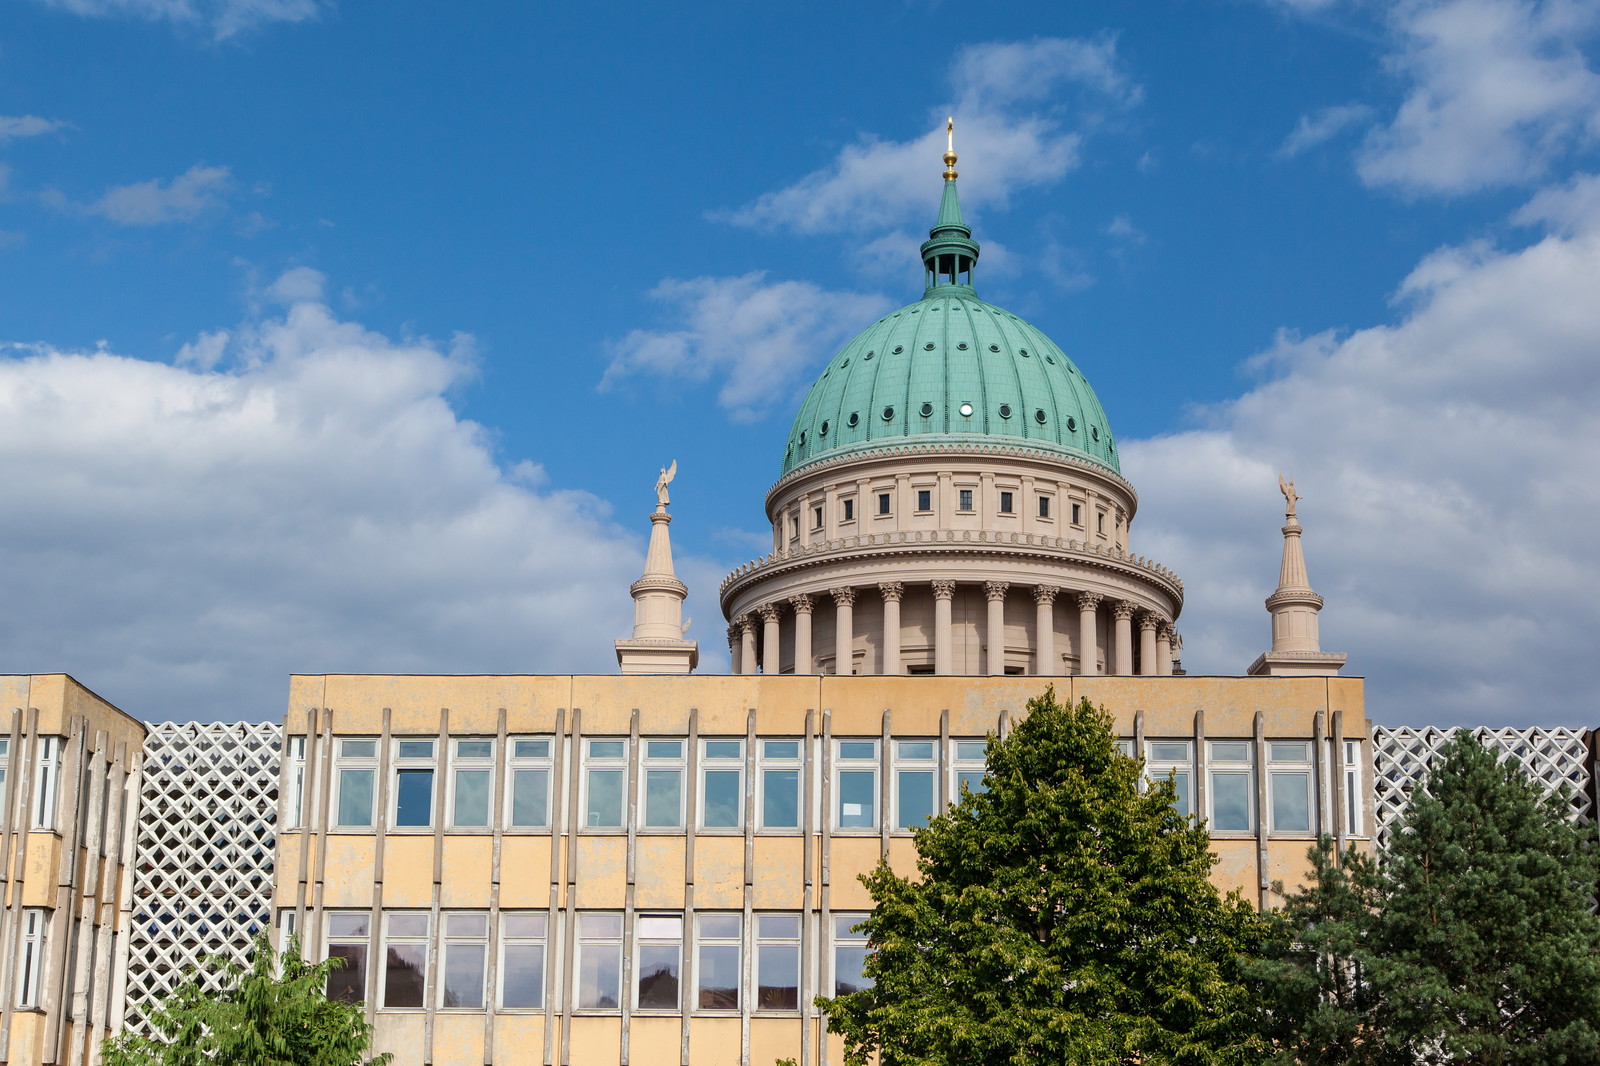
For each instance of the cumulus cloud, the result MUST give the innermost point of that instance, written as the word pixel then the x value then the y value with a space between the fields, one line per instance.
pixel 1447 465
pixel 1008 124
pixel 221 18
pixel 763 338
pixel 198 191
pixel 1322 126
pixel 1496 91
pixel 16 127
pixel 296 495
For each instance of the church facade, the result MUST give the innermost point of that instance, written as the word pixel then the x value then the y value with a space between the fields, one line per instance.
pixel 660 867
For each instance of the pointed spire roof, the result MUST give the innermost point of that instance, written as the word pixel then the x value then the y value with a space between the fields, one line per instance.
pixel 949 253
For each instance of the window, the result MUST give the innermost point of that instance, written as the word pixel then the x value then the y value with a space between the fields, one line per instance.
pixel 663 784
pixel 849 955
pixel 722 784
pixel 44 808
pixel 405 959
pixel 1231 808
pixel 1007 503
pixel 660 946
pixel 965 498
pixel 816 518
pixel 1352 787
pixel 717 971
pixel 1289 782
pixel 295 805
pixel 530 783
pixel 856 782
pixel 1044 507
pixel 1174 759
pixel 466 951
pixel 1077 514
pixel 599 961
pixel 883 503
pixel 777 962
pixel 31 955
pixel 472 774
pixel 348 940
pixel 969 767
pixel 915 770
pixel 924 499
pixel 522 941
pixel 605 784
pixel 357 771
pixel 1100 522
pixel 780 784
pixel 849 510
pixel 794 527
pixel 413 783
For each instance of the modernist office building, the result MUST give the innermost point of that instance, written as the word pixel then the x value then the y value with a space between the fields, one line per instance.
pixel 660 867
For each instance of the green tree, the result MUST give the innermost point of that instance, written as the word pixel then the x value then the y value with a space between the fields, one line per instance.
pixel 1060 917
pixel 273 1014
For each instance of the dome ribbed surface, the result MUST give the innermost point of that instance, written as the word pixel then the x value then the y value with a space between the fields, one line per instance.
pixel 905 379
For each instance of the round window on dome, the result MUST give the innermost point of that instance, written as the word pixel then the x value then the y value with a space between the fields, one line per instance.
pixel 822 430
pixel 1094 431
pixel 868 357
pixel 853 421
pixel 1049 359
pixel 802 438
pixel 1005 410
pixel 844 364
pixel 1072 425
pixel 962 346
pixel 898 349
pixel 994 347
pixel 1039 416
pixel 928 347
pixel 1023 352
pixel 888 414
pixel 927 410
pixel 966 410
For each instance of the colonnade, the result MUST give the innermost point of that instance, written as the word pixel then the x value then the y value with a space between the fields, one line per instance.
pixel 1154 636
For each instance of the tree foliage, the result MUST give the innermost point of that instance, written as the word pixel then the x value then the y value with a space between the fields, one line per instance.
pixel 1060 917
pixel 273 1014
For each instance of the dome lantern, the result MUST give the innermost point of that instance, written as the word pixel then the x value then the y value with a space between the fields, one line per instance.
pixel 949 253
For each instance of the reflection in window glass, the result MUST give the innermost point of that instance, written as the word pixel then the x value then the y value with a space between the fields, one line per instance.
pixel 780 784
pixel 599 961
pixel 605 786
pixel 522 944
pixel 722 784
pixel 1291 801
pixel 858 784
pixel 466 951
pixel 660 940
pixel 663 798
pixel 717 971
pixel 1230 801
pixel 413 804
pixel 472 799
pixel 849 955
pixel 777 962
pixel 1172 759
pixel 915 771
pixel 405 968
pixel 355 797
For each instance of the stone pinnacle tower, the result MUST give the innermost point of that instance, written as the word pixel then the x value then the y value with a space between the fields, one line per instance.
pixel 658 645
pixel 1296 645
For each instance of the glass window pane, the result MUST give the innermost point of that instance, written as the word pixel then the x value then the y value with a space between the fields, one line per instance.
pixel 778 926
pixel 607 749
pixel 599 976
pixel 413 791
pixel 1278 751
pixel 474 749
pixel 778 977
pixel 720 926
pixel 1230 751
pixel 722 799
pixel 658 926
pixel 663 749
pixel 858 749
pixel 915 799
pixel 858 800
pixel 348 984
pixel 914 749
pixel 466 925
pixel 408 925
pixel 1230 802
pixel 347 925
pixel 600 925
pixel 663 798
pixel 1180 781
pixel 355 797
pixel 1291 802
pixel 463 975
pixel 971 749
pixel 781 749
pixel 405 974
pixel 605 799
pixel 849 969
pixel 844 926
pixel 780 799
pixel 472 798
pixel 658 977
pixel 972 780
pixel 724 749
pixel 532 749
pixel 525 925
pixel 415 749
pixel 1169 751
pixel 358 749
pixel 522 983
pixel 718 976
pixel 530 798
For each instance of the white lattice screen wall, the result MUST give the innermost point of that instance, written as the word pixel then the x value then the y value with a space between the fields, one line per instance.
pixel 1552 757
pixel 202 880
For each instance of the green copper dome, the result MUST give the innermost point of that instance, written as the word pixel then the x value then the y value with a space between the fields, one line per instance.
pixel 950 369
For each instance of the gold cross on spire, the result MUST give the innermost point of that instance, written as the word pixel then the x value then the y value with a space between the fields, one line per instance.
pixel 950 149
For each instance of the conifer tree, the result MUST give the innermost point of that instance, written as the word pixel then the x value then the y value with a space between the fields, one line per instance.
pixel 1060 917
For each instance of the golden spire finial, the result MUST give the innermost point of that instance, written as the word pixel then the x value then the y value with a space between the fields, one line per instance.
pixel 950 149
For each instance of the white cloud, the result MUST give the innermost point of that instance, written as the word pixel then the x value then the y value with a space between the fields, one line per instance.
pixel 15 127
pixel 764 338
pixel 198 191
pixel 1447 465
pixel 1322 126
pixel 1121 228
pixel 221 18
pixel 1498 90
pixel 1008 128
pixel 186 537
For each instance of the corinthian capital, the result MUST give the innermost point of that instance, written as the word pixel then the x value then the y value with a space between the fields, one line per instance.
pixel 768 612
pixel 801 603
pixel 944 590
pixel 996 590
pixel 843 597
pixel 1088 601
pixel 1043 594
pixel 1122 610
pixel 893 591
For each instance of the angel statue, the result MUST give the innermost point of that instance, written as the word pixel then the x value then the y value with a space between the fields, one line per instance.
pixel 1286 487
pixel 667 474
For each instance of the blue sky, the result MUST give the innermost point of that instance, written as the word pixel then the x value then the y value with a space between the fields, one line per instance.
pixel 350 337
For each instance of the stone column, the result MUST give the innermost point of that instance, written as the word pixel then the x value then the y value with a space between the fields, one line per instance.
pixel 1164 649
pixel 892 592
pixel 1122 642
pixel 943 593
pixel 844 628
pixel 733 648
pixel 802 634
pixel 747 644
pixel 771 662
pixel 1087 635
pixel 1148 623
pixel 994 629
pixel 1044 630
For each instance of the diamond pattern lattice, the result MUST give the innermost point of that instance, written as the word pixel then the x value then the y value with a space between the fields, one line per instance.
pixel 1555 758
pixel 202 882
